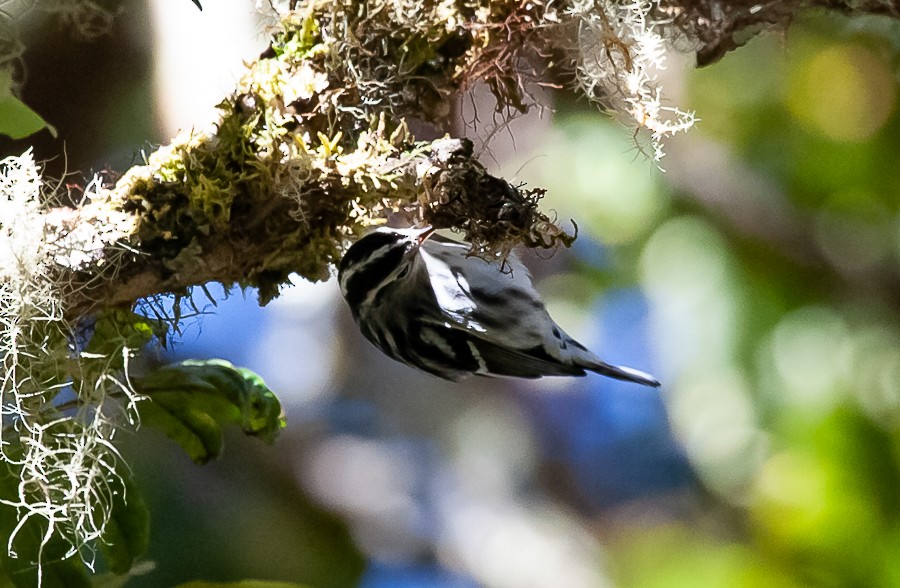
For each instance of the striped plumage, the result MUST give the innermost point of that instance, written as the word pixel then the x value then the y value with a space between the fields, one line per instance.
pixel 423 302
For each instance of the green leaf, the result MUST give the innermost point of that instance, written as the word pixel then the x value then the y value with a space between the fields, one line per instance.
pixel 17 120
pixel 21 571
pixel 127 533
pixel 198 433
pixel 116 328
pixel 189 401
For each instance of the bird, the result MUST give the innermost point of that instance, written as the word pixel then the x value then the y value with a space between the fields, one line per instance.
pixel 424 301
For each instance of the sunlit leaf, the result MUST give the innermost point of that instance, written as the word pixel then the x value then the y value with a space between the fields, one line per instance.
pixel 117 328
pixel 189 401
pixel 198 433
pixel 17 120
pixel 116 335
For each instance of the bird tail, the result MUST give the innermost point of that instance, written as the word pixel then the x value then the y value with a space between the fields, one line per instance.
pixel 623 373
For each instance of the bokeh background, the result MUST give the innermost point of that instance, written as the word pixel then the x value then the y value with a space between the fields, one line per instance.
pixel 758 277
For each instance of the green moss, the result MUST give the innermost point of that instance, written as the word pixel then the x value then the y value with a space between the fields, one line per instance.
pixel 298 42
pixel 305 157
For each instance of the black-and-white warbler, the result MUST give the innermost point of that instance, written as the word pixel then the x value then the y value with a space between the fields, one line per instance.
pixel 425 303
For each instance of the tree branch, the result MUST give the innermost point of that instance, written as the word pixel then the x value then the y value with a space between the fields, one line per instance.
pixel 313 145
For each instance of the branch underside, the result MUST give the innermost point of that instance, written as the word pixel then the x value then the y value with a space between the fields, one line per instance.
pixel 313 147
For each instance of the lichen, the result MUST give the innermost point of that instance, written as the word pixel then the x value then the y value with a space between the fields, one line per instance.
pixel 55 388
pixel 308 152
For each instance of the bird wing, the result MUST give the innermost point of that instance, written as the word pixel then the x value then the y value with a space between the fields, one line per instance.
pixel 462 298
pixel 477 296
pixel 499 360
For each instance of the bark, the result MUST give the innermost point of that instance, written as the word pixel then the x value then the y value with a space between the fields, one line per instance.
pixel 313 146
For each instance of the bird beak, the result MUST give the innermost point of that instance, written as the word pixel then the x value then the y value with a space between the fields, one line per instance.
pixel 423 236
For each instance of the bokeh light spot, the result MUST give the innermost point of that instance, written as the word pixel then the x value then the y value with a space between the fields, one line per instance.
pixel 611 192
pixel 853 230
pixel 492 446
pixel 792 496
pixel 688 276
pixel 874 362
pixel 716 420
pixel 807 345
pixel 806 503
pixel 845 93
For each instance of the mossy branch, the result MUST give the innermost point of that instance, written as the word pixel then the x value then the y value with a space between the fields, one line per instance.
pixel 310 149
pixel 313 145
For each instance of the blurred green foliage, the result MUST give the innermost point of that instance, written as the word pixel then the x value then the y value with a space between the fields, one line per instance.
pixel 769 256
pixel 772 265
